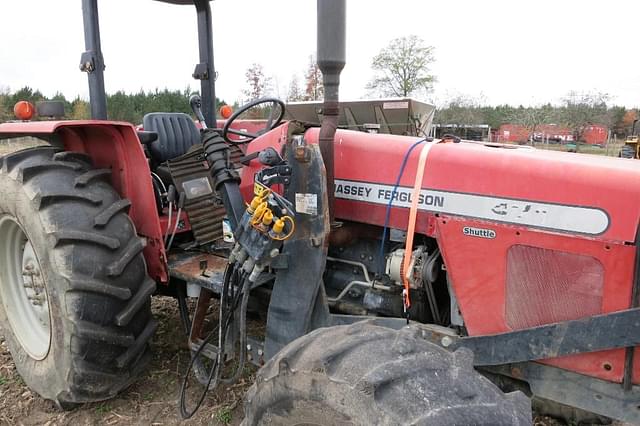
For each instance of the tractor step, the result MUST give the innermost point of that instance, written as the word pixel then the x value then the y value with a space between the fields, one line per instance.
pixel 210 351
pixel 207 271
pixel 202 269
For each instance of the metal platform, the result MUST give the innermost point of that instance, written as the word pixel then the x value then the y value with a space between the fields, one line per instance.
pixel 203 269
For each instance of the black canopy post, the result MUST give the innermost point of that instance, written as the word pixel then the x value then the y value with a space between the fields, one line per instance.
pixel 205 70
pixel 92 61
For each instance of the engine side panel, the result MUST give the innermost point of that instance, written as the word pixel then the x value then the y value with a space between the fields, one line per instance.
pixel 556 278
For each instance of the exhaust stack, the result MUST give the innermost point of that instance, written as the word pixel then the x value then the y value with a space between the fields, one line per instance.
pixel 331 58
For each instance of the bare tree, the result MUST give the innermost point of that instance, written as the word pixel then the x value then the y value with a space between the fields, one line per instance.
pixel 460 109
pixel 294 93
pixel 314 88
pixel 532 117
pixel 581 109
pixel 628 120
pixel 258 83
pixel 402 68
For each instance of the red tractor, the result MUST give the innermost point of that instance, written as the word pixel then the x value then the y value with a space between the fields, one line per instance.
pixel 405 280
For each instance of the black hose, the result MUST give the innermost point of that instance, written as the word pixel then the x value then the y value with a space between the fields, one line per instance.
pixel 184 310
pixel 243 334
pixel 215 369
pixel 234 285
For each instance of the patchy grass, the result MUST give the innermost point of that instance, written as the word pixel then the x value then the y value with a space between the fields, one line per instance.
pixel 611 150
pixel 103 408
pixel 224 416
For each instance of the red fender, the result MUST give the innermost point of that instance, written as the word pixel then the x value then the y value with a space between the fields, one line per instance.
pixel 111 145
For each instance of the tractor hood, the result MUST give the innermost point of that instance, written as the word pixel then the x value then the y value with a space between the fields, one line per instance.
pixel 590 195
pixel 585 195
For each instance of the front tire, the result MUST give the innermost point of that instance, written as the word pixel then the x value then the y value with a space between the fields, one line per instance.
pixel 68 245
pixel 363 374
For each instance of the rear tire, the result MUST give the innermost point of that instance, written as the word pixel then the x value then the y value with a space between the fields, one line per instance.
pixel 627 152
pixel 363 374
pixel 90 265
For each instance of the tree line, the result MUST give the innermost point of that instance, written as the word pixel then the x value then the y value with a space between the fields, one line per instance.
pixel 575 111
pixel 121 106
pixel 400 69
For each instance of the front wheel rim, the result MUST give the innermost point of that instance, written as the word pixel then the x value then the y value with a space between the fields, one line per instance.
pixel 23 290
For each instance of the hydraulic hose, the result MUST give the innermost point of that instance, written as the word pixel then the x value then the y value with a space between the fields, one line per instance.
pixel 225 177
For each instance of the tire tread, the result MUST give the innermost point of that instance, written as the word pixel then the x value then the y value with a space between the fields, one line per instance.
pixel 119 335
pixel 91 175
pixel 368 374
pixel 133 249
pixel 102 219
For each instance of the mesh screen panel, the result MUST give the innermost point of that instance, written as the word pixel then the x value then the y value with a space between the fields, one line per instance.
pixel 545 286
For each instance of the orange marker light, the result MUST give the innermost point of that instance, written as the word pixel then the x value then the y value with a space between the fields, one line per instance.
pixel 226 111
pixel 23 110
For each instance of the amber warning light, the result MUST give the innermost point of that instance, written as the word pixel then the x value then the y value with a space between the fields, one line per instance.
pixel 226 111
pixel 23 110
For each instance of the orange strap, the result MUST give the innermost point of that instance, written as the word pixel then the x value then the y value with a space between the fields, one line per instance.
pixel 413 215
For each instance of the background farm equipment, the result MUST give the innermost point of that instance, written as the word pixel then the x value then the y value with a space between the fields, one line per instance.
pixel 631 147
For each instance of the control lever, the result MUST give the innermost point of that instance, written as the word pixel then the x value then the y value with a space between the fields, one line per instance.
pixel 195 101
pixel 267 157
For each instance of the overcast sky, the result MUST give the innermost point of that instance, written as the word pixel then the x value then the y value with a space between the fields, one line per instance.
pixel 517 52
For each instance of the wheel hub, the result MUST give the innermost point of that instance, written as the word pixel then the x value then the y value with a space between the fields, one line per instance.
pixel 23 290
pixel 33 282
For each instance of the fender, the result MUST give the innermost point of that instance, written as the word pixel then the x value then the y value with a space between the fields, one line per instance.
pixel 111 145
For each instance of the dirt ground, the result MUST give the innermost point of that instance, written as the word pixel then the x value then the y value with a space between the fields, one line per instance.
pixel 153 400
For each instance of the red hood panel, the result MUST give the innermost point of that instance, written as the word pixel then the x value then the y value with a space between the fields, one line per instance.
pixel 555 191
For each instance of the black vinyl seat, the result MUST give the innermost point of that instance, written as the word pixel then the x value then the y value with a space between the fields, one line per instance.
pixel 176 134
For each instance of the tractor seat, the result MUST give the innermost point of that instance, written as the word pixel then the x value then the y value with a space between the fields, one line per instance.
pixel 176 134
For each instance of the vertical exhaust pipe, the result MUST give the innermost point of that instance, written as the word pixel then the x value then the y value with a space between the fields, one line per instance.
pixel 331 58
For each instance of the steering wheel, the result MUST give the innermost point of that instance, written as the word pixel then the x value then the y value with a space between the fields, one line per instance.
pixel 248 137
